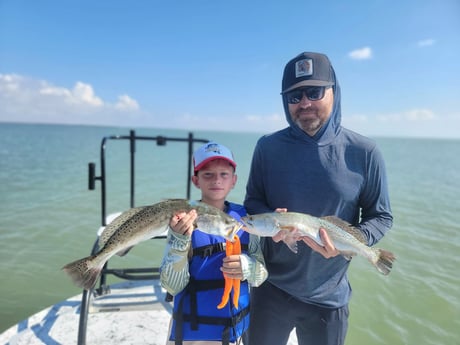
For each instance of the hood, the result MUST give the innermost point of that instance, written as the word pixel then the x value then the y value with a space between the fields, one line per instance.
pixel 330 129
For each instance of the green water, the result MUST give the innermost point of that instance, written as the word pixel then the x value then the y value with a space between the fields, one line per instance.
pixel 48 218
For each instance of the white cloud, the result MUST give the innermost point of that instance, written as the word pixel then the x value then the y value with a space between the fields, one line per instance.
pixel 420 115
pixel 410 123
pixel 364 53
pixel 426 43
pixel 239 123
pixel 81 94
pixel 271 119
pixel 26 99
pixel 413 115
pixel 126 103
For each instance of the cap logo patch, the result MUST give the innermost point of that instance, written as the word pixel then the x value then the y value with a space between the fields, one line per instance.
pixel 304 68
pixel 213 148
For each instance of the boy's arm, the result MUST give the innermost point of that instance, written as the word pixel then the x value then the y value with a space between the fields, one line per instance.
pixel 174 273
pixel 253 264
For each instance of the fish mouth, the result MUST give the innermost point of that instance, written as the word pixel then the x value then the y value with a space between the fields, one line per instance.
pixel 247 220
pixel 232 230
pixel 247 225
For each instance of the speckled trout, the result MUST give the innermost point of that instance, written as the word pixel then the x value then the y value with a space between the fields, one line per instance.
pixel 347 240
pixel 142 223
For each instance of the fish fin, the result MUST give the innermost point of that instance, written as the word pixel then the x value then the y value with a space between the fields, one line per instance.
pixel 355 232
pixel 348 255
pixel 385 261
pixel 289 228
pixel 291 243
pixel 84 272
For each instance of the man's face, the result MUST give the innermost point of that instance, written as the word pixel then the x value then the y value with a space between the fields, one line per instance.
pixel 309 115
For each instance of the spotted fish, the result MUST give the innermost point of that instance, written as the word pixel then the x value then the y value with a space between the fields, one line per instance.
pixel 140 224
pixel 291 226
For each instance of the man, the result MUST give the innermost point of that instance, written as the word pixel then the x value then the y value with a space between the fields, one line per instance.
pixel 314 166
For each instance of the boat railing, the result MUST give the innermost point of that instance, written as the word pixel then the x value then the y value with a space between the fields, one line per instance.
pixel 124 273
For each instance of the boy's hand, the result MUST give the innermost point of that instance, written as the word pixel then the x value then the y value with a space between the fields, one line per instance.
pixel 183 223
pixel 231 267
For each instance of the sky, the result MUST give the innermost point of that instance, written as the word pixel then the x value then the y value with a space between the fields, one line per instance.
pixel 217 65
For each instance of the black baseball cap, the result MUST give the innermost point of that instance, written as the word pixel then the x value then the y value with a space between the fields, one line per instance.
pixel 307 69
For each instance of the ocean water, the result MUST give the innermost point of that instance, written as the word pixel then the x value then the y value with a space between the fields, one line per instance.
pixel 48 217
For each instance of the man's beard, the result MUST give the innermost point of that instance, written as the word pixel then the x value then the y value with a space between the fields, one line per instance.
pixel 310 125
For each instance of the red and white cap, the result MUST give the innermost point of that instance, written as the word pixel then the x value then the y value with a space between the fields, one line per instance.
pixel 209 152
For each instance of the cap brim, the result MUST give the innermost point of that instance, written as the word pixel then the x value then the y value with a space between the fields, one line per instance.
pixel 210 159
pixel 308 83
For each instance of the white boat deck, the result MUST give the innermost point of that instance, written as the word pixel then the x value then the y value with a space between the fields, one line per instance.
pixel 135 312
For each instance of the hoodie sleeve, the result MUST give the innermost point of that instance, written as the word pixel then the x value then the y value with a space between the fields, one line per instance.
pixel 253 264
pixel 376 217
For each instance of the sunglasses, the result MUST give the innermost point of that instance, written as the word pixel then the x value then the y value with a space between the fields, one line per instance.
pixel 313 93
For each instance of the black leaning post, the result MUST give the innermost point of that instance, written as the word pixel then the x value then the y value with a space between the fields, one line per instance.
pixel 92 178
pixel 102 178
pixel 132 150
pixel 83 318
pixel 189 167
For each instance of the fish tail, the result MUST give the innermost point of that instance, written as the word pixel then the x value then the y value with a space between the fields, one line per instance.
pixel 84 272
pixel 384 261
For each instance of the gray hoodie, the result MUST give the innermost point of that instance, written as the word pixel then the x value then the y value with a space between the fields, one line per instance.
pixel 336 172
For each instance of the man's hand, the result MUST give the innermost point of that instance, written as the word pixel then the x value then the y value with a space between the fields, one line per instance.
pixel 328 250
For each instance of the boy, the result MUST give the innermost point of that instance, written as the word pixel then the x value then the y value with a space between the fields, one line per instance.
pixel 195 263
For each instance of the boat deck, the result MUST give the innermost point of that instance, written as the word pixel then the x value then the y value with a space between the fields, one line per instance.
pixel 135 312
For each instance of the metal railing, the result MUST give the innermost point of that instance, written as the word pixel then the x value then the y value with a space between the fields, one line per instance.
pixel 124 273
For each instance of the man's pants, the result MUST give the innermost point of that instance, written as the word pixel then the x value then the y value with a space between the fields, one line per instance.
pixel 274 314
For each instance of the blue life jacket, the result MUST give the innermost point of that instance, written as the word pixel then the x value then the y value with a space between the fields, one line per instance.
pixel 195 313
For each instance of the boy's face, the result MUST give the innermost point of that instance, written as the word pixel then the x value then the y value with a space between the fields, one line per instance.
pixel 216 179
